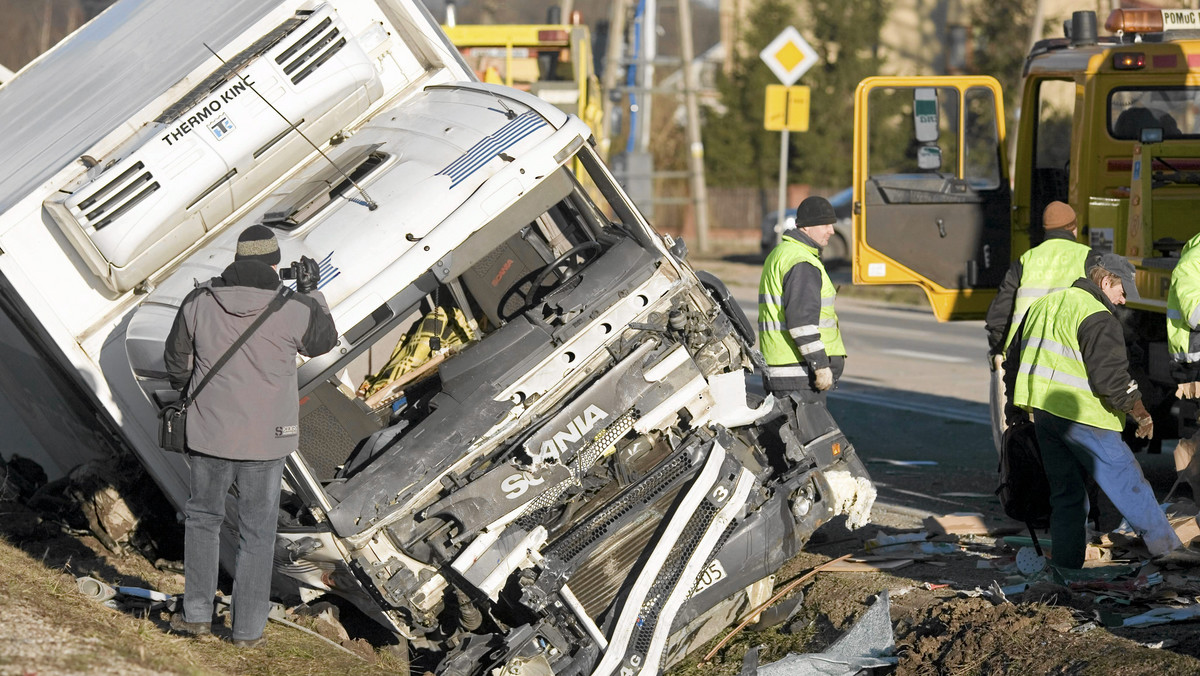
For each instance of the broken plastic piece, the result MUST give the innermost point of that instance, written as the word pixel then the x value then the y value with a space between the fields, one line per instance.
pixel 868 645
pixel 1162 616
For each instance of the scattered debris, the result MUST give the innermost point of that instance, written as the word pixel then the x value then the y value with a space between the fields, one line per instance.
pixel 958 523
pixel 867 646
pixel 860 566
pixel 888 540
pixel 1029 561
pixel 853 495
pixel 903 463
pixel 1163 616
pixel 20 478
pixel 125 599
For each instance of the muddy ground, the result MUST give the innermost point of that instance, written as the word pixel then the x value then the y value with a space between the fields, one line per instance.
pixel 944 619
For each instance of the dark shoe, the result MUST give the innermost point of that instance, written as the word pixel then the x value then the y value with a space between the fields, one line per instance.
pixel 181 626
pixel 249 642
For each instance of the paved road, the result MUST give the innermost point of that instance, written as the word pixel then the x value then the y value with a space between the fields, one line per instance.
pixel 913 401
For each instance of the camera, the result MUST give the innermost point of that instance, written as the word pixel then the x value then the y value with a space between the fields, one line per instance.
pixel 305 271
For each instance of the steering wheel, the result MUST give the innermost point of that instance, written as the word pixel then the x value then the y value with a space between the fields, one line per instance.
pixel 580 255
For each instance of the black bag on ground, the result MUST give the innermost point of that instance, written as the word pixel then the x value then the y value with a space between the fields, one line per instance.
pixel 1024 491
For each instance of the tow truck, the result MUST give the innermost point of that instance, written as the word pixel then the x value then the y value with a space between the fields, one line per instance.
pixel 577 483
pixel 1109 124
pixel 552 61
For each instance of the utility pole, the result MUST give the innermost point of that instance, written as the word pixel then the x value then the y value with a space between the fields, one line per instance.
pixel 646 71
pixel 613 54
pixel 695 144
pixel 1035 30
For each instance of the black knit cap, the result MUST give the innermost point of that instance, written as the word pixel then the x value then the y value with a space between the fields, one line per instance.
pixel 815 211
pixel 257 243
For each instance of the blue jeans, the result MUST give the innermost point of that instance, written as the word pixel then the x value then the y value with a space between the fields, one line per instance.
pixel 1072 451
pixel 257 490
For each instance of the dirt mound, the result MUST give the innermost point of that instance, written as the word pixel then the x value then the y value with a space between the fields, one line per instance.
pixel 972 635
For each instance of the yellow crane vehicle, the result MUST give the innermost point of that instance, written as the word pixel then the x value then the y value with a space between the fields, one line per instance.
pixel 552 61
pixel 1109 124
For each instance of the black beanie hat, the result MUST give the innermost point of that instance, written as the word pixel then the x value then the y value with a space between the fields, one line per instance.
pixel 815 211
pixel 257 243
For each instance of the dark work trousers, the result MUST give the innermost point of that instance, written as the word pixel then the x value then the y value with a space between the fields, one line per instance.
pixel 1073 451
pixel 258 484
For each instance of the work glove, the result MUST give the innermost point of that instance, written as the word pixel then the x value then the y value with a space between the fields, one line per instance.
pixel 824 379
pixel 996 361
pixel 1188 391
pixel 1145 423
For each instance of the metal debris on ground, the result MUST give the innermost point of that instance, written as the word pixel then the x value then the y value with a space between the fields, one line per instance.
pixel 867 646
pixel 124 599
pixel 1124 586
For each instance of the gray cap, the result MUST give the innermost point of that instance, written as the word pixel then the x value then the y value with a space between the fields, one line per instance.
pixel 1119 266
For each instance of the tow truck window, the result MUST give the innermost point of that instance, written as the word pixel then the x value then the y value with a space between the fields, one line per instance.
pixel 894 147
pixel 1055 106
pixel 981 157
pixel 1175 110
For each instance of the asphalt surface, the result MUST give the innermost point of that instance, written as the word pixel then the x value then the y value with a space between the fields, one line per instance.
pixel 914 403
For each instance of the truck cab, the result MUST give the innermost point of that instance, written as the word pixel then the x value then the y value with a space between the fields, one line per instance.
pixel 1109 125
pixel 532 447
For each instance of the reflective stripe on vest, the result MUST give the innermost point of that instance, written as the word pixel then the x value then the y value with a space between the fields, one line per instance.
pixel 1052 375
pixel 1051 266
pixel 776 342
pixel 1183 305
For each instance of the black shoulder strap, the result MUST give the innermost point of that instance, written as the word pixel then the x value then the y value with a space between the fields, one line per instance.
pixel 277 302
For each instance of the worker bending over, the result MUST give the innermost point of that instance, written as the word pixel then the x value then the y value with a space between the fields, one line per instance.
pixel 1067 366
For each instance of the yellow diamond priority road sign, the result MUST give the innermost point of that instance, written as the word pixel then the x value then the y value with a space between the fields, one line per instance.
pixel 789 56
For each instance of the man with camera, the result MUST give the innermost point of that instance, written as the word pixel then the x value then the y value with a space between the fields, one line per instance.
pixel 244 422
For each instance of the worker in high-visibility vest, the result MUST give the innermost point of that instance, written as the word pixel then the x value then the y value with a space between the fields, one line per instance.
pixel 1050 266
pixel 1067 366
pixel 1183 342
pixel 797 323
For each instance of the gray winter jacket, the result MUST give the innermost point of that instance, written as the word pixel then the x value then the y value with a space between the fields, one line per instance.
pixel 249 410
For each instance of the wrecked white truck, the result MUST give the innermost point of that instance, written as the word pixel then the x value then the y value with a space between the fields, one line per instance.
pixel 558 468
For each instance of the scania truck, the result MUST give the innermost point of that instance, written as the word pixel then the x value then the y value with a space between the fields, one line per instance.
pixel 532 447
pixel 1109 124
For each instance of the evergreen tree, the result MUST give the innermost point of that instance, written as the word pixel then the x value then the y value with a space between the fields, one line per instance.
pixel 1001 38
pixel 737 150
pixel 845 35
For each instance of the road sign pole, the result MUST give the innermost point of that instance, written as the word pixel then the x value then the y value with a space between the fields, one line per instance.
pixel 783 163
pixel 789 56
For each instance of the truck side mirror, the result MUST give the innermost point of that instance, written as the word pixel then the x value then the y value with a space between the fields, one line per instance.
pixel 929 158
pixel 925 114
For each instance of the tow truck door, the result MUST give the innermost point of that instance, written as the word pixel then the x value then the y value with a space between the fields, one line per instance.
pixel 931 191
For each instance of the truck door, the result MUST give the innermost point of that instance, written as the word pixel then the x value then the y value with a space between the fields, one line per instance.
pixel 931 192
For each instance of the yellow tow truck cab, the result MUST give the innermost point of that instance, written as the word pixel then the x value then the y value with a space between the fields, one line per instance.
pixel 1108 124
pixel 552 61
